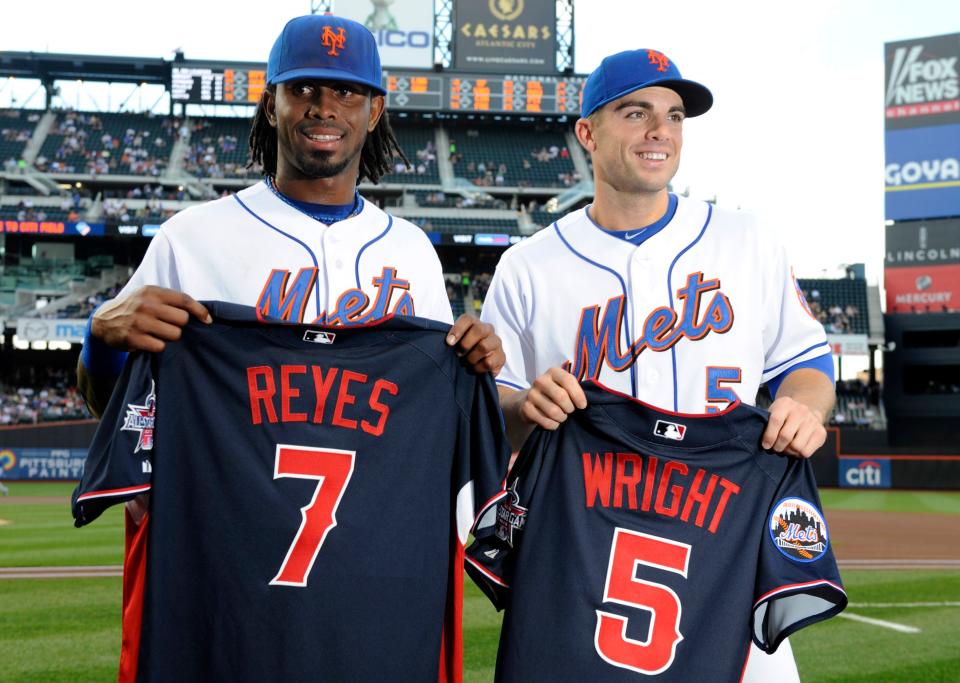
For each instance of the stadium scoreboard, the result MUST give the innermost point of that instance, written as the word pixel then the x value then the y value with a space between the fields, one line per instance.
pixel 406 90
pixel 212 85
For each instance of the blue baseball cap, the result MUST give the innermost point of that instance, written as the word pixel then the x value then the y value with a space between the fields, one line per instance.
pixel 328 47
pixel 625 72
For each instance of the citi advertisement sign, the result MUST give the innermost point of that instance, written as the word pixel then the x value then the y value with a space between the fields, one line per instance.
pixel 922 172
pixel 865 474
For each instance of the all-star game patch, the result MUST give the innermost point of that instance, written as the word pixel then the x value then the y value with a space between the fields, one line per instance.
pixel 511 516
pixel 140 418
pixel 799 530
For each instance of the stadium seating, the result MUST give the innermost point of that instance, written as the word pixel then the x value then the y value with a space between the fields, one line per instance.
pixel 51 398
pixel 493 157
pixel 16 127
pixel 124 144
pixel 841 305
pixel 418 143
pixel 219 149
pixel 544 218
pixel 456 224
pixel 26 211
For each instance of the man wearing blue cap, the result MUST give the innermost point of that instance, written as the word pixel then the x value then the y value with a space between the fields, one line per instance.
pixel 671 301
pixel 301 246
pixel 294 244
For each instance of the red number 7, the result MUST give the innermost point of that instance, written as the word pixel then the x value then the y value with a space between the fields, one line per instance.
pixel 332 468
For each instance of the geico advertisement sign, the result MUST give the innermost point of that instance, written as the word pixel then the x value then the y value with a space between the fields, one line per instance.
pixel 856 473
pixel 403 28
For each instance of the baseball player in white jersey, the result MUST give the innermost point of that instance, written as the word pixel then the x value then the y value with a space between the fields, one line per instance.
pixel 303 244
pixel 674 301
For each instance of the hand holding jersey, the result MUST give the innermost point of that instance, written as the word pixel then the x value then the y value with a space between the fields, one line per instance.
pixel 794 427
pixel 319 128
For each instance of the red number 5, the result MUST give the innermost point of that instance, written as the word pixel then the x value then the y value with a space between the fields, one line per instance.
pixel 332 468
pixel 655 654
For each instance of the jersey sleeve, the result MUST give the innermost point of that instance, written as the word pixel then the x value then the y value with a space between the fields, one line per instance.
pixel 484 453
pixel 119 463
pixel 791 334
pixel 503 308
pixel 433 302
pixel 498 531
pixel 158 267
pixel 798 582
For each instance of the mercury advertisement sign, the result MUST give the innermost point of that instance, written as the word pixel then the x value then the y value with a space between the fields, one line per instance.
pixel 403 29
pixel 505 36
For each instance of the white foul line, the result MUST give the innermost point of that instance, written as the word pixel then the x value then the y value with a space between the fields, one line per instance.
pixel 900 628
pixel 887 605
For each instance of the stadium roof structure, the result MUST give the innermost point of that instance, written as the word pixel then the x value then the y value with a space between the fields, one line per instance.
pixel 48 67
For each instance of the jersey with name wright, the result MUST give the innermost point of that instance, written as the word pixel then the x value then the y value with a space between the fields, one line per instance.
pixel 634 544
pixel 311 494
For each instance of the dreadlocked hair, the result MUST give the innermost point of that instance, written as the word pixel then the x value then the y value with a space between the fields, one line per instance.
pixel 379 149
pixel 263 138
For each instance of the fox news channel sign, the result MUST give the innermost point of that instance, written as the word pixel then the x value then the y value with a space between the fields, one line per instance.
pixel 505 36
pixel 403 28
pixel 922 115
pixel 923 82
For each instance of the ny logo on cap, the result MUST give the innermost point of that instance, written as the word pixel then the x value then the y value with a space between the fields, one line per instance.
pixel 334 40
pixel 655 57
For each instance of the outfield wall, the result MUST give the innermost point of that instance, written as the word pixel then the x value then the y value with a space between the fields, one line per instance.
pixel 851 458
pixel 863 458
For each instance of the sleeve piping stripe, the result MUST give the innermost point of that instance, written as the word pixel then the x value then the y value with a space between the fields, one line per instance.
pixel 510 384
pixel 795 588
pixel 806 350
pixel 487 573
pixel 143 488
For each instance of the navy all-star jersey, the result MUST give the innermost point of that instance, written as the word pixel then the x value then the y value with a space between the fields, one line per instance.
pixel 311 492
pixel 637 545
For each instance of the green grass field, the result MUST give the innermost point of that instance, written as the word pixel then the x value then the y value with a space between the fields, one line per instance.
pixel 69 629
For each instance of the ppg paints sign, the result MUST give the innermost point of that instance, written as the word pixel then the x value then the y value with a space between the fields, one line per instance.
pixel 865 473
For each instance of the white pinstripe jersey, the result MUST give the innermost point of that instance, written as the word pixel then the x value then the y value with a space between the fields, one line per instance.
pixel 254 249
pixel 702 312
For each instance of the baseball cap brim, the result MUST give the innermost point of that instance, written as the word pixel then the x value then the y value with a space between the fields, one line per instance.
pixel 697 99
pixel 327 74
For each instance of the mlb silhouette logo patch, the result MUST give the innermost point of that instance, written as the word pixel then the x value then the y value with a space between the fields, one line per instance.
pixel 670 430
pixel 319 336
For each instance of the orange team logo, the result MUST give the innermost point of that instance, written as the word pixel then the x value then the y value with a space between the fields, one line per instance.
pixel 334 40
pixel 655 57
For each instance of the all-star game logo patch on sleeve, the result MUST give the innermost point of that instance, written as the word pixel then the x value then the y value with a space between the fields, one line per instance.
pixel 511 516
pixel 140 418
pixel 798 530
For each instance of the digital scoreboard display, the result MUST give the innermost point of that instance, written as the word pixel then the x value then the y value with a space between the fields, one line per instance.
pixel 212 85
pixel 516 94
pixel 406 90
